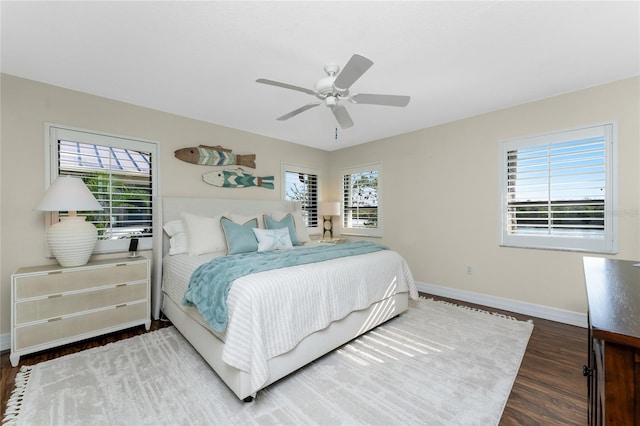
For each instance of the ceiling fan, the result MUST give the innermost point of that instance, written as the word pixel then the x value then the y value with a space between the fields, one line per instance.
pixel 335 87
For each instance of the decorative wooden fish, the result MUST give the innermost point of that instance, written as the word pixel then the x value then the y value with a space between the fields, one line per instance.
pixel 237 179
pixel 214 156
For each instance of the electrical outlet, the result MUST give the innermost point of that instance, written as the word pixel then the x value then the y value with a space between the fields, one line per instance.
pixel 469 270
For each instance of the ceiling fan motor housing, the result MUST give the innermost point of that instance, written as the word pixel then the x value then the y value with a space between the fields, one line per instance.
pixel 324 87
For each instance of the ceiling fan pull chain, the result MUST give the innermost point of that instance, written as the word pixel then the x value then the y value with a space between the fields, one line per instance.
pixel 336 133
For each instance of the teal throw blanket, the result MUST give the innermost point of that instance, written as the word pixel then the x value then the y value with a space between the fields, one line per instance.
pixel 210 282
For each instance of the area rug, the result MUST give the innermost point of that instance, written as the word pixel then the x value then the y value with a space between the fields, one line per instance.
pixel 436 364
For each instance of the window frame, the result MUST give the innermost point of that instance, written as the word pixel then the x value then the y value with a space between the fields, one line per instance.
pixel 296 168
pixel 376 232
pixel 55 132
pixel 608 243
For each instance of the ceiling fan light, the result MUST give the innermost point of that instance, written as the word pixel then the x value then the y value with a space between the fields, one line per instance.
pixel 331 101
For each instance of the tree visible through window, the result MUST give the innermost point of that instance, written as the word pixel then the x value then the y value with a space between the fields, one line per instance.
pixel 301 185
pixel 361 200
pixel 120 173
pixel 120 179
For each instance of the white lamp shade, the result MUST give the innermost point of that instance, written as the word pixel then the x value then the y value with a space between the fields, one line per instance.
pixel 71 240
pixel 68 193
pixel 329 208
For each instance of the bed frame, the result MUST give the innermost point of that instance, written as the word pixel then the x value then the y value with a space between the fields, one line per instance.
pixel 309 349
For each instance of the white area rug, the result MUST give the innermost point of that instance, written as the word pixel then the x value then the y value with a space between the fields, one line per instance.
pixel 437 364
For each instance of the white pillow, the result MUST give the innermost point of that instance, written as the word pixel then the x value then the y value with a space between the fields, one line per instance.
pixel 273 239
pixel 204 234
pixel 301 229
pixel 178 242
pixel 173 227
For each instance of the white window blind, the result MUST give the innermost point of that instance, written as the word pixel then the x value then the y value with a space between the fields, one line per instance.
pixel 121 175
pixel 362 200
pixel 558 191
pixel 301 184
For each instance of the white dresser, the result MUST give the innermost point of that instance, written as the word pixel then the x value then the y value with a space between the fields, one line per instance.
pixel 52 305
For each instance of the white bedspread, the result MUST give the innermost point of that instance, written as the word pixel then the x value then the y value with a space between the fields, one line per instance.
pixel 271 312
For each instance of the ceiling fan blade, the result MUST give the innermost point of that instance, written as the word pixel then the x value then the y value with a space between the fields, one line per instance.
pixel 342 116
pixel 356 66
pixel 388 100
pixel 285 85
pixel 297 111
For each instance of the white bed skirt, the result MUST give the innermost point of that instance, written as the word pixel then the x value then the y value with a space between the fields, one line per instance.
pixel 313 346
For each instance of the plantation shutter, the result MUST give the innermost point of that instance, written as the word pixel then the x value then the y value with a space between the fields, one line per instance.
pixel 120 174
pixel 557 186
pixel 303 187
pixel 361 200
pixel 120 179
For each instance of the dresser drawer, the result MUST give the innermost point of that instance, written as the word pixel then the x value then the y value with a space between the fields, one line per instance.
pixel 61 305
pixel 59 329
pixel 52 305
pixel 63 281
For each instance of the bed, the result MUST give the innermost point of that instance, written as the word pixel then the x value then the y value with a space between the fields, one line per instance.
pixel 278 320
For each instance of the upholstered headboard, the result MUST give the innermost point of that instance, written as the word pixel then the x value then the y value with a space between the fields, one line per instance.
pixel 171 208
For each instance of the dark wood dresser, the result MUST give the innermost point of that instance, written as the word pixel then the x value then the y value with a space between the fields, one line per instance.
pixel 613 293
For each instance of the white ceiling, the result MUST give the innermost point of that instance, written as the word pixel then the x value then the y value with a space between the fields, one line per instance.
pixel 201 59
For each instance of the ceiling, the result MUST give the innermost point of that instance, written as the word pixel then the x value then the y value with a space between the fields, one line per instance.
pixel 201 59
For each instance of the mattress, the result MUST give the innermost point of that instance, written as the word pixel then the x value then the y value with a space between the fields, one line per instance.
pixel 176 271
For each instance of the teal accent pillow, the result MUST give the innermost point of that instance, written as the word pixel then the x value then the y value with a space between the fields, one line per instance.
pixel 240 238
pixel 285 222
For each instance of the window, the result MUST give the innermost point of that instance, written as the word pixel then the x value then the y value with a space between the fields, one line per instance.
pixel 121 174
pixel 301 184
pixel 558 190
pixel 362 200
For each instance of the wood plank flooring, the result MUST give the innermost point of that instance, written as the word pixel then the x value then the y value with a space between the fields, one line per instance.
pixel 549 389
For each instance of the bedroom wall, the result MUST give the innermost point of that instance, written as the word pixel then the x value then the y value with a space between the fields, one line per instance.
pixel 441 183
pixel 26 105
pixel 441 197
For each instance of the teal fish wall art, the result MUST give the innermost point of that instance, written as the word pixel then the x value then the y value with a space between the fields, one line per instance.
pixel 214 156
pixel 237 179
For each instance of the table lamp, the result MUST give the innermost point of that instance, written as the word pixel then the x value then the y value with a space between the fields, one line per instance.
pixel 71 240
pixel 328 209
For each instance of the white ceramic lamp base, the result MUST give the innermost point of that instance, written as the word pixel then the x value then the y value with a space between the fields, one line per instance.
pixel 72 240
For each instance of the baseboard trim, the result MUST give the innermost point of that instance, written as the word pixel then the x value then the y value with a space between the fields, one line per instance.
pixel 539 311
pixel 5 341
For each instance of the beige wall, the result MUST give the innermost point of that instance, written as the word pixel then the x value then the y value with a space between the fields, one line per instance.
pixel 27 105
pixel 440 183
pixel 441 196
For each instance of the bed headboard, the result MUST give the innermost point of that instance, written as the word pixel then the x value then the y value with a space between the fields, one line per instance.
pixel 171 208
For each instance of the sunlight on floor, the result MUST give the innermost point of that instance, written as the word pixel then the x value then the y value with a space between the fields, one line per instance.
pixel 388 343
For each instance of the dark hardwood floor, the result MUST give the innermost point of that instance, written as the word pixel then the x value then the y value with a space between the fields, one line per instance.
pixel 549 389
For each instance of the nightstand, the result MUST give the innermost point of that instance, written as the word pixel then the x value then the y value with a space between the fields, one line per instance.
pixel 52 305
pixel 332 241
